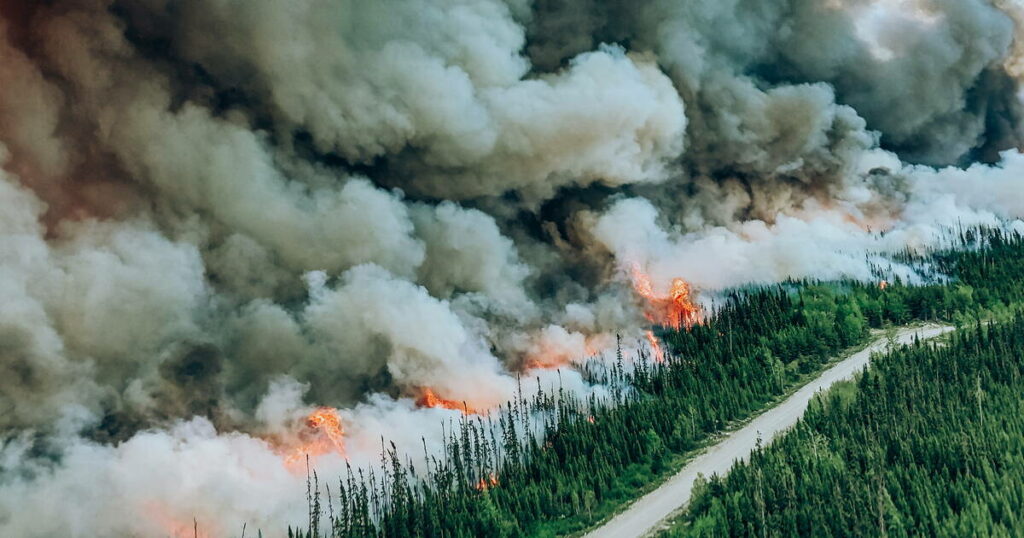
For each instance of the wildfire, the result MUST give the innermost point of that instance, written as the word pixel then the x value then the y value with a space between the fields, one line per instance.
pixel 555 348
pixel 172 525
pixel 323 434
pixel 883 284
pixel 676 310
pixel 659 355
pixel 429 399
pixel 487 483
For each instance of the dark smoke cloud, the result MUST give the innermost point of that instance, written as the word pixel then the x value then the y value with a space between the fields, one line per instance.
pixel 219 213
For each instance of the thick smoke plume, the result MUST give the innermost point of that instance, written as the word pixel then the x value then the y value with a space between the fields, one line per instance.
pixel 216 215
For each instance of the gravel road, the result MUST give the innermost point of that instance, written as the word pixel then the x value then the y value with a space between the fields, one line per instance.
pixel 644 516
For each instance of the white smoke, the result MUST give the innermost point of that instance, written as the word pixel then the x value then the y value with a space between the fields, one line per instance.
pixel 218 215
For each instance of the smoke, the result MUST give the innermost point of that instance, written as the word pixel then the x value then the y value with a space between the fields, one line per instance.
pixel 219 214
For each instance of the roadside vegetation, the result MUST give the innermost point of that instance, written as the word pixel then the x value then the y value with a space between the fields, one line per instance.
pixel 589 457
pixel 928 441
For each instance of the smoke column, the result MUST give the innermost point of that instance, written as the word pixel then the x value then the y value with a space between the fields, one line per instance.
pixel 218 215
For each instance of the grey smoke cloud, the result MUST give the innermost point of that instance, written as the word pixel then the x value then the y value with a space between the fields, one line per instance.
pixel 220 214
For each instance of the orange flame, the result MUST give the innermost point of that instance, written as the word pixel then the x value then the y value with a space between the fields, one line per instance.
pixel 659 355
pixel 171 525
pixel 883 284
pixel 487 483
pixel 324 434
pixel 552 356
pixel 429 399
pixel 676 310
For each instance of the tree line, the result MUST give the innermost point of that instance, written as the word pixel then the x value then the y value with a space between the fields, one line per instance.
pixel 928 441
pixel 552 463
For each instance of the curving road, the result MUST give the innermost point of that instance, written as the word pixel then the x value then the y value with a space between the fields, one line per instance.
pixel 644 515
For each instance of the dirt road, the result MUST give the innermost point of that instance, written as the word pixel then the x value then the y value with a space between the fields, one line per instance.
pixel 645 515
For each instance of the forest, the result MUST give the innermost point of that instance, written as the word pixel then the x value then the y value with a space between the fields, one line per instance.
pixel 928 441
pixel 552 464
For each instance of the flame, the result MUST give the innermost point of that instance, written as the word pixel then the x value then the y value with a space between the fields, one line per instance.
pixel 883 284
pixel 324 434
pixel 553 354
pixel 171 525
pixel 429 399
pixel 676 310
pixel 659 355
pixel 533 364
pixel 547 361
pixel 487 483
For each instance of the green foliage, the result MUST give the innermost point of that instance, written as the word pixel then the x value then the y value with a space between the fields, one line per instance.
pixel 590 456
pixel 929 442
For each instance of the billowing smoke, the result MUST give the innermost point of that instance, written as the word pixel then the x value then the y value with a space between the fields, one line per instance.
pixel 219 214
